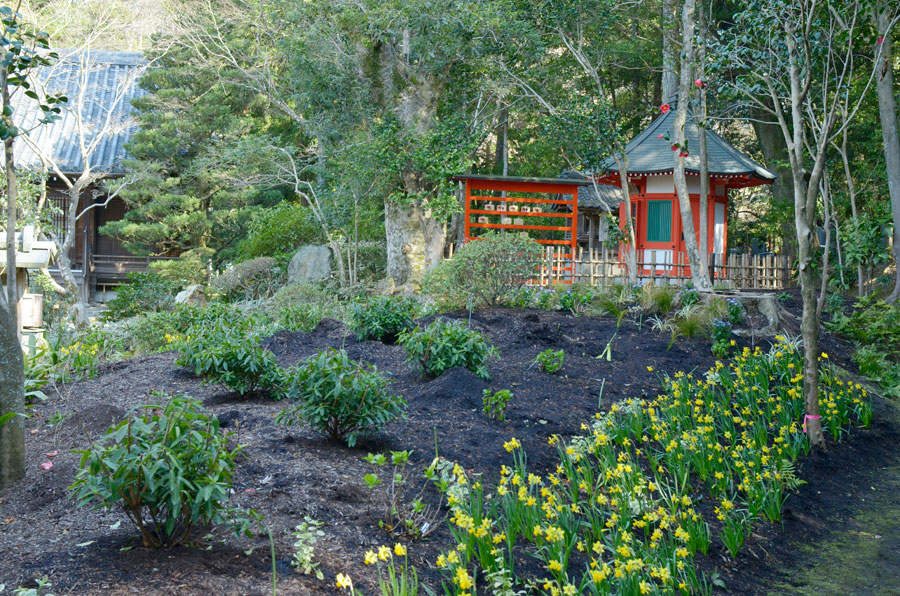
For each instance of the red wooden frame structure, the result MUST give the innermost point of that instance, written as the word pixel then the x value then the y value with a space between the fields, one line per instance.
pixel 479 207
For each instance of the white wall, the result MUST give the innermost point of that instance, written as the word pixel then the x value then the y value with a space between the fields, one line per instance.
pixel 666 184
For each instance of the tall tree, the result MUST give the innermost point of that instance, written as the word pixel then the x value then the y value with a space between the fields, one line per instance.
pixel 21 46
pixel 699 273
pixel 791 56
pixel 884 17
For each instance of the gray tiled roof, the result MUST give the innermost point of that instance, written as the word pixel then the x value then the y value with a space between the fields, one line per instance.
pixel 647 153
pixel 110 83
pixel 605 197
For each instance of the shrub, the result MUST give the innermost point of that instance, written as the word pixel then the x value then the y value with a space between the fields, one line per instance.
pixel 550 361
pixel 721 338
pixel 185 270
pixel 383 318
pixel 279 231
pixel 494 404
pixel 576 299
pixel 443 345
pixel 167 467
pixel 339 397
pixel 307 295
pixel 490 270
pixel 230 356
pixel 300 317
pixel 144 292
pixel 249 280
pixel 735 311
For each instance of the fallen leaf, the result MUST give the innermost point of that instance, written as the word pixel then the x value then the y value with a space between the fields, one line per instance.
pixel 83 544
pixel 53 453
pixel 47 465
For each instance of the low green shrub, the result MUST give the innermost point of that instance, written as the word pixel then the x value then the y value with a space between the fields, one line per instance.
pixel 443 345
pixel 494 404
pixel 488 270
pixel 383 318
pixel 249 280
pixel 229 356
pixel 300 317
pixel 306 295
pixel 279 231
pixel 721 338
pixel 577 298
pixel 144 292
pixel 339 397
pixel 167 467
pixel 184 271
pixel 550 361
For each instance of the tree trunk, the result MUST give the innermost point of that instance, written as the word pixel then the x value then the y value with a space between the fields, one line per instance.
pixel 631 261
pixel 415 241
pixel 774 151
pixel 63 260
pixel 669 57
pixel 699 275
pixel 704 155
pixel 12 294
pixel 887 109
pixel 12 399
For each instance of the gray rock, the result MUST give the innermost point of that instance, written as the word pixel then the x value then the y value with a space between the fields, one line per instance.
pixel 311 263
pixel 194 295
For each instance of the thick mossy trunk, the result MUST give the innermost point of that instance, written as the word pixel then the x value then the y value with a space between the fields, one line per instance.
pixel 12 400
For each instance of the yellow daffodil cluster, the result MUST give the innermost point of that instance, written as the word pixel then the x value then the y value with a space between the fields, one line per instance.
pixel 623 493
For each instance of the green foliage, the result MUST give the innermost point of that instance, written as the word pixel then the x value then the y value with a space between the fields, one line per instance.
pixel 383 318
pixel 166 466
pixel 550 361
pixel 144 292
pixel 279 231
pixel 658 300
pixel 721 338
pixel 186 270
pixel 494 403
pixel 339 397
pixel 443 345
pixel 490 270
pixel 875 326
pixel 576 298
pixel 307 534
pixel 249 280
pixel 229 354
pixel 300 317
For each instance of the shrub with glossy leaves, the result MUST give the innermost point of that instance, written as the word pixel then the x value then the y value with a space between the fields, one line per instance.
pixel 490 269
pixel 339 397
pixel 144 292
pixel 167 467
pixel 383 318
pixel 443 345
pixel 227 353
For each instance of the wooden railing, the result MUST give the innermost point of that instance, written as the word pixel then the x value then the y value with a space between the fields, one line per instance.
pixel 602 267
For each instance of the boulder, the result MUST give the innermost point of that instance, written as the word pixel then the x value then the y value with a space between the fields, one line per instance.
pixel 194 295
pixel 310 263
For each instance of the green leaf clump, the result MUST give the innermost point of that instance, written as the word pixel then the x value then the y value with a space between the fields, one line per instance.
pixel 339 397
pixel 227 351
pixel 167 467
pixel 550 361
pixel 490 270
pixel 144 292
pixel 443 345
pixel 383 318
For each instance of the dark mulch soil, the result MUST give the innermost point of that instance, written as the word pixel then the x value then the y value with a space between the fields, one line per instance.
pixel 286 473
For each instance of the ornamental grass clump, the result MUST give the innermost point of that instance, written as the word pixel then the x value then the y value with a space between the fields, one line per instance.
pixel 339 397
pixel 167 467
pixel 443 345
pixel 618 514
pixel 383 318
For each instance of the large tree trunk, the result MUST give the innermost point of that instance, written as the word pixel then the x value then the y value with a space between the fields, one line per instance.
pixel 699 275
pixel 12 399
pixel 669 50
pixel 775 154
pixel 887 109
pixel 415 241
pixel 704 155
